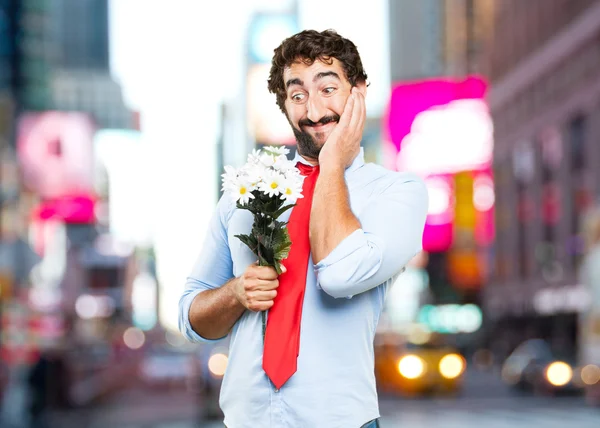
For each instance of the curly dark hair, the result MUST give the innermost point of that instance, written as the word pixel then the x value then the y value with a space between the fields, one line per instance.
pixel 309 46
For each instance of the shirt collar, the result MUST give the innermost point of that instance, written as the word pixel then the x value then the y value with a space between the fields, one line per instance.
pixel 358 161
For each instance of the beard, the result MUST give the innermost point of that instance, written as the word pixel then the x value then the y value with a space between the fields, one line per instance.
pixel 306 145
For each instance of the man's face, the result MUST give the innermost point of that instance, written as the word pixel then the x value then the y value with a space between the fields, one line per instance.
pixel 316 96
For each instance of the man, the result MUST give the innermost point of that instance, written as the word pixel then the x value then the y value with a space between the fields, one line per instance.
pixel 315 367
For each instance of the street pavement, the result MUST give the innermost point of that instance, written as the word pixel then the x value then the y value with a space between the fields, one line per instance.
pixel 510 412
pixel 473 412
pixel 484 402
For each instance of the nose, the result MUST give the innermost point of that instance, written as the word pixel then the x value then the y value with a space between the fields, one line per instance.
pixel 315 110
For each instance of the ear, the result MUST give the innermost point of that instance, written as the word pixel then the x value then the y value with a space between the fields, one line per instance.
pixel 362 88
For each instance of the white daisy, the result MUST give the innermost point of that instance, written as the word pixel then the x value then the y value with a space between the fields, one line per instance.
pixel 230 177
pixel 242 192
pixel 277 150
pixel 267 160
pixel 291 190
pixel 254 174
pixel 254 157
pixel 271 183
pixel 294 175
pixel 283 164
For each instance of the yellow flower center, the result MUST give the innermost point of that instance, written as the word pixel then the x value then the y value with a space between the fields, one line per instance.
pixel 243 191
pixel 273 185
pixel 288 191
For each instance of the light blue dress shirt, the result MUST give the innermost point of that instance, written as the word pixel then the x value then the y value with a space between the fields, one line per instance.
pixel 334 385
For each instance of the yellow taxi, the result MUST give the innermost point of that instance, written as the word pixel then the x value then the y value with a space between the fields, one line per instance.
pixel 418 369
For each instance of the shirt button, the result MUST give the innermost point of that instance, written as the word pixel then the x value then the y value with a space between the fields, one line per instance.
pixel 276 390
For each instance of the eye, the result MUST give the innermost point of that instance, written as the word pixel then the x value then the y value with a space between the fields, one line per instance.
pixel 297 97
pixel 328 91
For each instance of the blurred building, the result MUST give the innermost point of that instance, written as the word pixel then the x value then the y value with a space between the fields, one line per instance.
pixel 467 25
pixel 92 91
pixel 416 39
pixel 55 92
pixel 434 38
pixel 11 249
pixel 543 62
pixel 8 69
pixel 63 60
pixel 81 31
pixel 435 50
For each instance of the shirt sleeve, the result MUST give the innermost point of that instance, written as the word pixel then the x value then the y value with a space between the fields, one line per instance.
pixel 391 235
pixel 213 268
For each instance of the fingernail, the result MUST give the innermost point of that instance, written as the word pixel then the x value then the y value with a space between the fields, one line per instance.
pixel 283 269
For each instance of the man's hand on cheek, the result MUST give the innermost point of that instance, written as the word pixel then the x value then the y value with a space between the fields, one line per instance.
pixel 343 145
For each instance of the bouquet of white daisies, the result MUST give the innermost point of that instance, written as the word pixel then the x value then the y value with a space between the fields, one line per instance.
pixel 267 185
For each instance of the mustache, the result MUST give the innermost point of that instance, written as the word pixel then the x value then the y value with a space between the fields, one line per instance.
pixel 323 121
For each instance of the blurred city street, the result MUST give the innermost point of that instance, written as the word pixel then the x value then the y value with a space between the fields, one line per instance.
pixel 484 399
pixel 118 119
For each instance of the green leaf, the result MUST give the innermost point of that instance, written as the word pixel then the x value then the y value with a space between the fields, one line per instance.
pixel 265 253
pixel 277 266
pixel 262 261
pixel 280 211
pixel 281 244
pixel 269 238
pixel 250 241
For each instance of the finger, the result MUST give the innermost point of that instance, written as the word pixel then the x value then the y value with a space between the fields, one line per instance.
pixel 363 112
pixel 262 272
pixel 260 306
pixel 253 285
pixel 265 285
pixel 347 114
pixel 267 273
pixel 262 296
pixel 359 116
pixel 357 110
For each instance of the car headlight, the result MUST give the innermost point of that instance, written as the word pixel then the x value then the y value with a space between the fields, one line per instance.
pixel 559 373
pixel 452 366
pixel 217 363
pixel 411 366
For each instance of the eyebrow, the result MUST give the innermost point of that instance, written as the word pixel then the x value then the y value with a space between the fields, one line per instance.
pixel 326 74
pixel 294 81
pixel 318 76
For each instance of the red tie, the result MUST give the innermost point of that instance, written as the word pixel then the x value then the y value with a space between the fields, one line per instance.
pixel 282 336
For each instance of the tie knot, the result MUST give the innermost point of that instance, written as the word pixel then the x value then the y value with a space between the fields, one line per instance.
pixel 305 169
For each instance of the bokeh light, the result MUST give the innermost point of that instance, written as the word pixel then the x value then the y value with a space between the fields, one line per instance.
pixel 559 373
pixel 217 364
pixel 134 338
pixel 590 374
pixel 411 366
pixel 451 366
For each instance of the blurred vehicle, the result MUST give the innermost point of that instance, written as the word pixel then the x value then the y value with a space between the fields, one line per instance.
pixel 213 360
pixel 424 369
pixel 166 367
pixel 534 367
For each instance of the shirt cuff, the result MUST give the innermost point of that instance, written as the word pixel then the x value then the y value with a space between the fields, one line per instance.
pixel 349 244
pixel 188 330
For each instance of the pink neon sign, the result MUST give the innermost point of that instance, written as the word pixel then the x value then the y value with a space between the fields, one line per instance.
pixel 437 128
